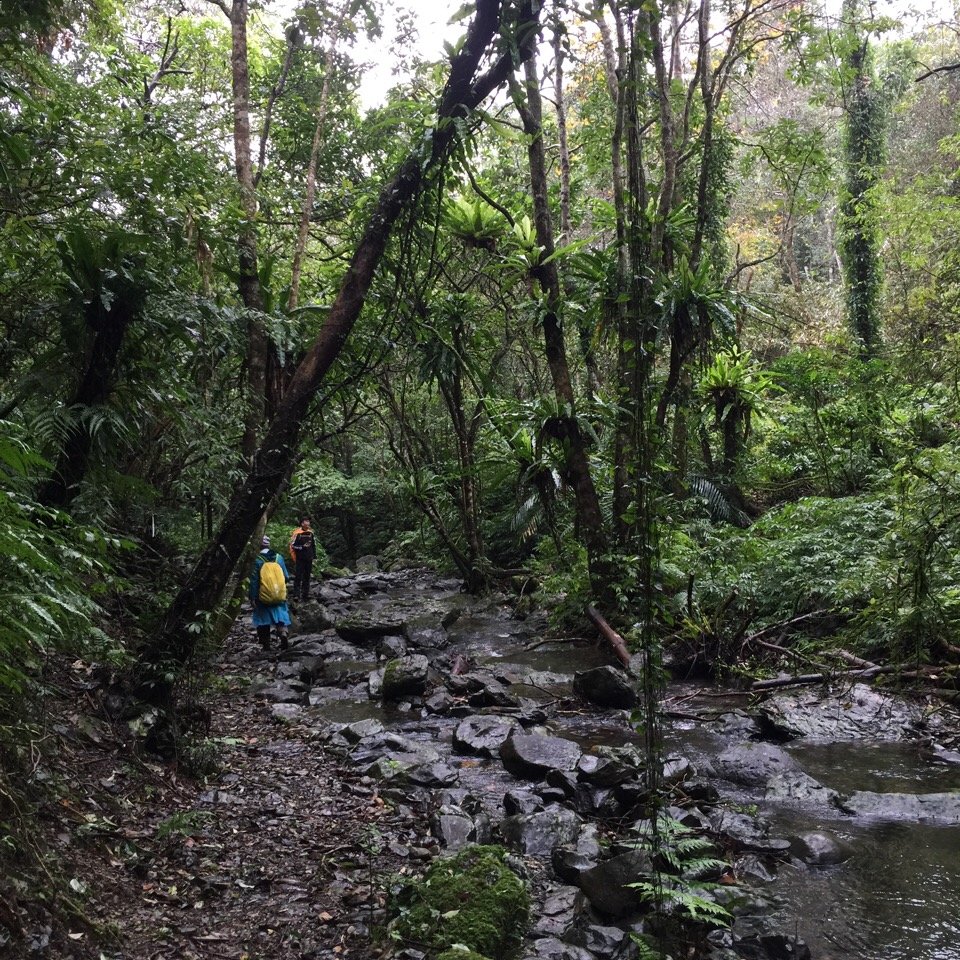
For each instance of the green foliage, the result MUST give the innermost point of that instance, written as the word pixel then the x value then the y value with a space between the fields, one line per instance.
pixel 472 899
pixel 683 859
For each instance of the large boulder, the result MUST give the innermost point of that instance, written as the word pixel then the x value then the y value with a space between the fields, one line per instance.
pixel 426 633
pixel 606 687
pixel 483 734
pixel 753 764
pixel 605 885
pixel 939 808
pixel 367 626
pixel 405 677
pixel 819 849
pixel 861 713
pixel 539 834
pixel 532 756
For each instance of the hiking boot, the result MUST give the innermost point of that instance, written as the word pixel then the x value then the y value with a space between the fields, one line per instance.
pixel 283 641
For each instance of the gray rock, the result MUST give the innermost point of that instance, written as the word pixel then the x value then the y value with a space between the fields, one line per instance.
pixel 494 694
pixel 753 764
pixel 426 634
pixel 405 677
pixel 605 884
pixel 797 787
pixel 676 770
pixel 355 732
pixel 939 808
pixel 611 943
pixel 440 702
pixel 538 834
pixel 375 684
pixel 606 687
pixel 748 834
pixel 611 766
pixel 391 648
pixel 364 627
pixel 771 945
pixel 483 734
pixel 368 564
pixel 311 617
pixel 287 712
pixel 533 756
pixel 453 827
pixel 521 801
pixel 570 861
pixel 857 714
pixel 283 691
pixel 549 948
pixel 434 775
pixel 819 849
pixel 559 913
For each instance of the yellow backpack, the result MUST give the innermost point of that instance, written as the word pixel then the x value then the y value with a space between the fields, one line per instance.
pixel 273 584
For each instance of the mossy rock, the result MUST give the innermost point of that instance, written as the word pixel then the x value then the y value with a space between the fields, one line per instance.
pixel 473 900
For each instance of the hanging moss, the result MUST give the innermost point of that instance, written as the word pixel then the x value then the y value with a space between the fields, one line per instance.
pixel 471 900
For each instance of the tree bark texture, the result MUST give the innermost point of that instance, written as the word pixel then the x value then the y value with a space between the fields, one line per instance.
pixel 175 642
pixel 589 515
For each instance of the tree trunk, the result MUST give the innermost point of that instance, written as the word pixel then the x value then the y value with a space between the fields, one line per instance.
pixel 175 642
pixel 110 327
pixel 589 515
pixel 306 211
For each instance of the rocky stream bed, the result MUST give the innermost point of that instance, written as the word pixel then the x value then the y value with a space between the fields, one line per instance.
pixel 838 810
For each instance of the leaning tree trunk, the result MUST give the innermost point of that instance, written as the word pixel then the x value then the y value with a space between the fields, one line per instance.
pixel 173 645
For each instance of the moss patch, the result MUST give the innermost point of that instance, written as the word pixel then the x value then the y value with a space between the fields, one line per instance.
pixel 473 899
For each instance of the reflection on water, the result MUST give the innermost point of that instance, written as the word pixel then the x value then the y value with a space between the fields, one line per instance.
pixel 878 767
pixel 898 898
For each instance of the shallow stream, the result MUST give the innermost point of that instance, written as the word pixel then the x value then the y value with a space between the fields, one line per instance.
pixel 896 898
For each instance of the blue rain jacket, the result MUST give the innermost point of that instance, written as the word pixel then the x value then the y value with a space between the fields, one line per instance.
pixel 264 616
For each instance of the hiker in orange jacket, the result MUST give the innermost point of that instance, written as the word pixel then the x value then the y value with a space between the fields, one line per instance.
pixel 303 546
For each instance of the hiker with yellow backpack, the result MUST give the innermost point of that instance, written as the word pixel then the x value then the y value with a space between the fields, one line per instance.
pixel 268 592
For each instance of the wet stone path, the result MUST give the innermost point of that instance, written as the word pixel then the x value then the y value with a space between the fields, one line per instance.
pixel 475 727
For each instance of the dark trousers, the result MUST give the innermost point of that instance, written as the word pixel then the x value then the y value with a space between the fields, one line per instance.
pixel 301 580
pixel 263 635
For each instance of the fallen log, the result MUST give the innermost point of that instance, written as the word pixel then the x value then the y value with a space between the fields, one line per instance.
pixel 929 673
pixel 613 638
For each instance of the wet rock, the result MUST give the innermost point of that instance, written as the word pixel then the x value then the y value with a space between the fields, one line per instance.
pixel 748 834
pixel 469 682
pixel 286 711
pixel 405 677
pixel 483 734
pixel 549 681
pixel 494 694
pixel 753 764
pixel 326 647
pixel 611 943
pixel 939 808
pixel 355 732
pixel 434 775
pixel 611 766
pixel 453 827
pixel 391 648
pixel 571 861
pixel 550 948
pixel 311 617
pixel 440 702
pixel 701 790
pixel 559 912
pixel 860 713
pixel 691 818
pixel 942 755
pixel 538 834
pixel 799 788
pixel 368 564
pixel 772 945
pixel 676 770
pixel 605 884
pixel 521 801
pixel 819 849
pixel 605 686
pixel 426 634
pixel 533 756
pixel 364 627
pixel 283 691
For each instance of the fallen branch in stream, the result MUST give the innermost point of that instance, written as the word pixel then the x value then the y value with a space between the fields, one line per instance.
pixel 610 635
pixel 928 673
